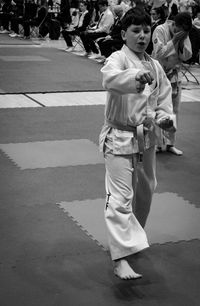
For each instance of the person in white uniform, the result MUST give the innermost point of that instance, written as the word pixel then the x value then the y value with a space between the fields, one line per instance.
pixel 171 47
pixel 138 99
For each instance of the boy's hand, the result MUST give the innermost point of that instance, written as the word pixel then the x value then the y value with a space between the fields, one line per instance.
pixel 143 77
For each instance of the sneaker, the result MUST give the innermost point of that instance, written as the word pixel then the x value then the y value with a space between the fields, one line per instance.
pixel 94 56
pixel 4 32
pixel 14 35
pixel 69 49
pixel 84 54
pixel 101 59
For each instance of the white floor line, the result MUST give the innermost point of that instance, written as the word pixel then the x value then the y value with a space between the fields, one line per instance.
pixel 71 99
pixel 16 101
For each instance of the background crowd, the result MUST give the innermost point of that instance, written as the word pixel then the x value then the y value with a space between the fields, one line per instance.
pixel 90 19
pixel 96 26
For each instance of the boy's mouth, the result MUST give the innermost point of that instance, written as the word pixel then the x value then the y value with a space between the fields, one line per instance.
pixel 141 43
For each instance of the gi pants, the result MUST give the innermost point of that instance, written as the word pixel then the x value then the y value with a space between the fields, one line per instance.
pixel 129 187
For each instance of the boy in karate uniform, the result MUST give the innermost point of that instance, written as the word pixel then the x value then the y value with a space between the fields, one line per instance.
pixel 138 99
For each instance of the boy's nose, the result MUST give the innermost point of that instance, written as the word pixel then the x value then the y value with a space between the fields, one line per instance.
pixel 142 34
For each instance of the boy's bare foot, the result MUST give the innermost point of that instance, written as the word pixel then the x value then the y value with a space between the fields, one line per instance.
pixel 123 270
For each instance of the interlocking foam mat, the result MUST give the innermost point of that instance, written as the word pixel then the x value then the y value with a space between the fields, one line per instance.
pixel 169 219
pixel 43 154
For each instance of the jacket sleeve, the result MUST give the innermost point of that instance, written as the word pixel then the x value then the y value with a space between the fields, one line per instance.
pixel 105 23
pixel 86 22
pixel 161 49
pixel 116 77
pixel 186 53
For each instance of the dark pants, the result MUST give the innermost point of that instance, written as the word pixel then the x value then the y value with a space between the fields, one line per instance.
pixel 15 21
pixel 107 47
pixel 67 36
pixel 88 40
pixel 5 20
pixel 43 29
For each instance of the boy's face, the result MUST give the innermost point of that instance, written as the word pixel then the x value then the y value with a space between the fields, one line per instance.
pixel 137 38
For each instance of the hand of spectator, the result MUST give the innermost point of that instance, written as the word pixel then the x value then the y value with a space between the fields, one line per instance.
pixel 179 36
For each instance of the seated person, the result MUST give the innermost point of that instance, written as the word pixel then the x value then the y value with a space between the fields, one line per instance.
pixel 101 29
pixel 158 17
pixel 8 11
pixel 40 21
pixel 83 23
pixel 30 11
pixel 113 41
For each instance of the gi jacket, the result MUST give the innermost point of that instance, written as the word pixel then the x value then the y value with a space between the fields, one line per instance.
pixel 126 109
pixel 167 54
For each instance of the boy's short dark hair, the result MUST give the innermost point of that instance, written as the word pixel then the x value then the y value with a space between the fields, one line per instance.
pixel 136 16
pixel 184 20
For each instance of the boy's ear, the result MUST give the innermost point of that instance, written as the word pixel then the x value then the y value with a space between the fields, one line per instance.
pixel 123 35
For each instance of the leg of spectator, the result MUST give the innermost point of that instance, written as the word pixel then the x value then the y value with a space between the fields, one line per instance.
pixel 67 37
pixel 5 21
pixel 107 47
pixel 85 41
pixel 26 26
pixel 15 24
pixel 43 30
pixel 91 40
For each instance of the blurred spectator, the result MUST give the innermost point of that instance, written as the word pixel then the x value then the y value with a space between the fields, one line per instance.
pixel 8 11
pixel 83 23
pixel 157 17
pixel 41 21
pixel 171 47
pixel 101 29
pixel 113 41
pixel 125 4
pixel 30 11
pixel 186 6
pixel 170 7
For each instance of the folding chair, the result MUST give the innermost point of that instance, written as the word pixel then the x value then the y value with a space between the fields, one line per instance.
pixel 186 69
pixel 35 30
pixel 77 44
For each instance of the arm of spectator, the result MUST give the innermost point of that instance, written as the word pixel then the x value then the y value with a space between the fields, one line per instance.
pixel 105 23
pixel 185 49
pixel 160 48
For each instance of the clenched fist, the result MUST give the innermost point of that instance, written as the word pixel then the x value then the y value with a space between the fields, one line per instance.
pixel 143 77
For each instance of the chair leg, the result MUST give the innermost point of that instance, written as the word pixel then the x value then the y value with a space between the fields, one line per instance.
pixel 187 70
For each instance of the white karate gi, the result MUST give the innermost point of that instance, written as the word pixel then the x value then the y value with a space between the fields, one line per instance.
pixel 129 184
pixel 165 52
